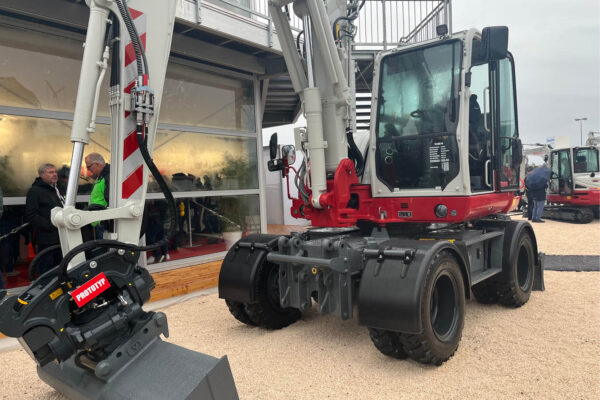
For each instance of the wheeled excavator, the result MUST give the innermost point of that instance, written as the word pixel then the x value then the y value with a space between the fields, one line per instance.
pixel 82 322
pixel 407 228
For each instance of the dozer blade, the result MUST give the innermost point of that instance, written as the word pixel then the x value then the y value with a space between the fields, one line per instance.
pixel 161 371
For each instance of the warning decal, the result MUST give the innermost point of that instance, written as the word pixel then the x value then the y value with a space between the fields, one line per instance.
pixel 90 290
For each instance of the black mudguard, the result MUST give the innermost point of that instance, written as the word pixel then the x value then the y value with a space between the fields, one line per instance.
pixel 390 287
pixel 512 232
pixel 237 278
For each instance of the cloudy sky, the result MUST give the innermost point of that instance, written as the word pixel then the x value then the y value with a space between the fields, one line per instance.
pixel 556 45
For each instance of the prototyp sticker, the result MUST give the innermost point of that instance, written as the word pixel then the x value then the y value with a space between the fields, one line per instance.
pixel 90 290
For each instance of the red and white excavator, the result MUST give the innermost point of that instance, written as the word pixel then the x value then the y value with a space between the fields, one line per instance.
pixel 574 193
pixel 83 321
pixel 407 227
pixel 574 187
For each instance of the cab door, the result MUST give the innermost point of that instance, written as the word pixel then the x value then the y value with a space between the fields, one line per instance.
pixel 506 142
pixel 561 181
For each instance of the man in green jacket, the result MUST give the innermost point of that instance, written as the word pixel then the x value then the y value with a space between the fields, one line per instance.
pixel 100 170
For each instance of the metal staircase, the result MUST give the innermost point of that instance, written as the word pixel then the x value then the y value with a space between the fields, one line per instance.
pixel 382 24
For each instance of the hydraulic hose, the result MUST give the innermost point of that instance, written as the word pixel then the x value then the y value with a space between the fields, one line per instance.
pixel 142 66
pixel 135 39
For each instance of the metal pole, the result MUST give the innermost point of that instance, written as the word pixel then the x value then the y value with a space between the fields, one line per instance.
pixel 581 128
pixel 74 173
pixel 308 44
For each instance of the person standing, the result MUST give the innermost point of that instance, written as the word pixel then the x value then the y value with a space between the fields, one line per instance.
pixel 42 197
pixel 537 183
pixel 100 171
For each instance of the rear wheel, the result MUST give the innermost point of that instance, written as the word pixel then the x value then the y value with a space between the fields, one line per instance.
pixel 516 280
pixel 267 312
pixel 442 313
pixel 387 342
pixel 486 292
pixel 238 310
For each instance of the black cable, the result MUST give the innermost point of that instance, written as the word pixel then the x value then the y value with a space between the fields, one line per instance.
pixel 115 68
pixel 142 144
pixel 298 43
pixel 139 42
pixel 338 19
pixel 36 260
pixel 133 35
pixel 355 154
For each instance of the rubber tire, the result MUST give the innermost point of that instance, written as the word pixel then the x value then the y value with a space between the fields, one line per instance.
pixel 388 342
pixel 266 312
pixel 427 347
pixel 486 292
pixel 510 292
pixel 238 310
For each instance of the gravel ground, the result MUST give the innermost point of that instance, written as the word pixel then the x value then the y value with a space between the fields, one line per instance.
pixel 549 348
pixel 564 238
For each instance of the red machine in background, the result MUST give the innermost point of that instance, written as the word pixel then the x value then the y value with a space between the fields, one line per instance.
pixel 574 193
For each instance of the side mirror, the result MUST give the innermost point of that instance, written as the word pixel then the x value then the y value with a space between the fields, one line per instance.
pixel 273 146
pixel 517 151
pixel 494 42
pixel 288 154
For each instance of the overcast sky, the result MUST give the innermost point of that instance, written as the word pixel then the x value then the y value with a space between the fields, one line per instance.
pixel 556 45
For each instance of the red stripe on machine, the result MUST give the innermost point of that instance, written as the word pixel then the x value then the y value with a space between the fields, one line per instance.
pixel 90 290
pixel 128 90
pixel 133 182
pixel 130 144
pixel 130 52
pixel 134 13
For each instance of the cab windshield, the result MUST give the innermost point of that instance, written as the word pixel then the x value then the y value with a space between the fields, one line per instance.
pixel 416 117
pixel 585 160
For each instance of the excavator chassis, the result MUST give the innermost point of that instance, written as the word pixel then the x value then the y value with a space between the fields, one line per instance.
pixel 579 215
pixel 382 274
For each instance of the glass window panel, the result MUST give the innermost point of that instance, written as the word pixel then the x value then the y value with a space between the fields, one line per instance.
pixel 197 161
pixel 205 225
pixel 416 143
pixel 585 160
pixel 26 143
pixel 237 6
pixel 199 98
pixel 204 228
pixel 41 71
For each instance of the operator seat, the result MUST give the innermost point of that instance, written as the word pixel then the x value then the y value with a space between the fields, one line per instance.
pixel 580 164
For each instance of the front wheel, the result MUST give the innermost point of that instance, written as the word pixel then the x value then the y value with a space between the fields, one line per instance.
pixel 266 311
pixel 388 342
pixel 442 313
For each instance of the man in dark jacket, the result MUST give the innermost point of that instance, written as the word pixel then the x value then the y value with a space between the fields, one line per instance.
pixel 41 199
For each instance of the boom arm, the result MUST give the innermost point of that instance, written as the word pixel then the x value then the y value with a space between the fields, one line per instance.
pixel 134 108
pixel 321 84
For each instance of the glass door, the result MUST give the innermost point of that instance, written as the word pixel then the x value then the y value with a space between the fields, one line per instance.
pixel 506 132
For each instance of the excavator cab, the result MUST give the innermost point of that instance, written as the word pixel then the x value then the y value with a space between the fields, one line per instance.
pixel 446 118
pixel 573 168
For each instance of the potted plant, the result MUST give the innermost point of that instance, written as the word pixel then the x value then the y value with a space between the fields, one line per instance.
pixel 232 218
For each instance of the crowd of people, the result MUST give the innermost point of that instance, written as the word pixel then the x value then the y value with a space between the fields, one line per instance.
pixel 46 193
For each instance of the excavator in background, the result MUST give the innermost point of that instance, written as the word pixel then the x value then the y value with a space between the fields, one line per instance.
pixel 574 187
pixel 574 193
pixel 408 226
pixel 83 321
